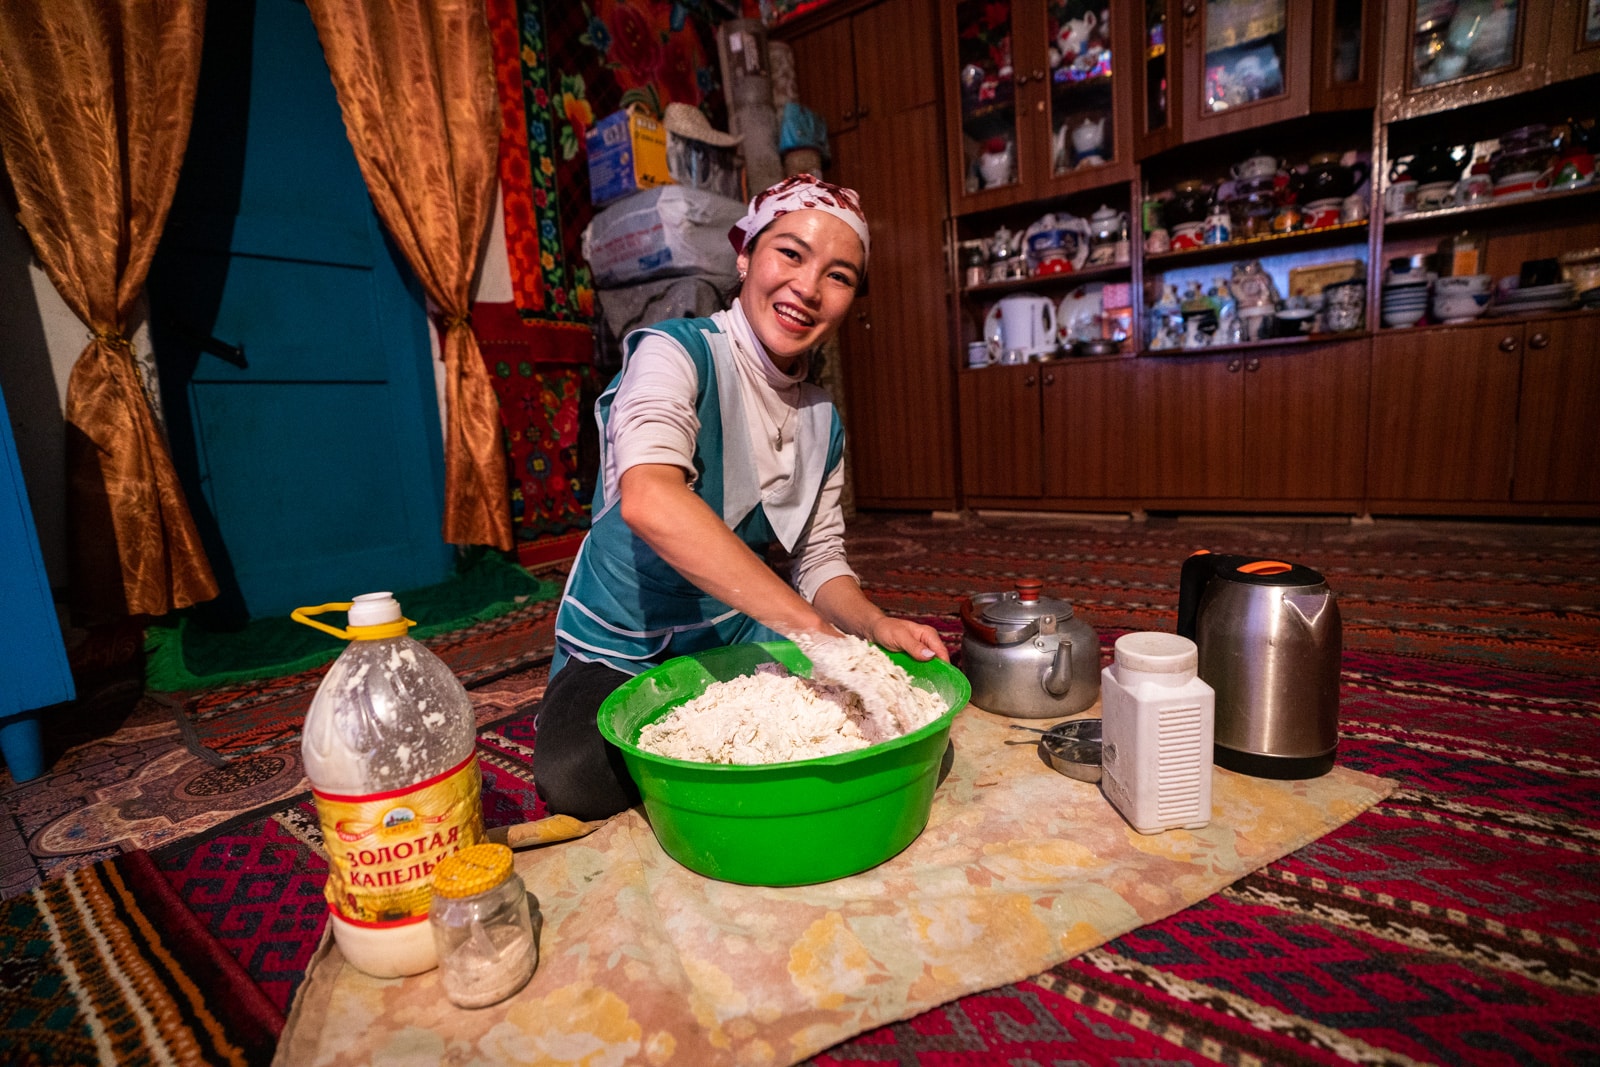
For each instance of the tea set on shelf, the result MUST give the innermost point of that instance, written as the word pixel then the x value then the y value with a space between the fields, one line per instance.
pixel 1246 306
pixel 1521 163
pixel 1055 243
pixel 1261 195
pixel 1092 319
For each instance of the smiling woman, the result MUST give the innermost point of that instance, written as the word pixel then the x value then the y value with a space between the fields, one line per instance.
pixel 714 450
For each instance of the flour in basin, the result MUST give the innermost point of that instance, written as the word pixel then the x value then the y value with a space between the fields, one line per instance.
pixel 772 716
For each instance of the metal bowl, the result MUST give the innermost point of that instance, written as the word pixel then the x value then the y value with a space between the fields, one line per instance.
pixel 1073 748
pixel 1096 348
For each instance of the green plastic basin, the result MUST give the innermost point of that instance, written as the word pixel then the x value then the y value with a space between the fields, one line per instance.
pixel 789 823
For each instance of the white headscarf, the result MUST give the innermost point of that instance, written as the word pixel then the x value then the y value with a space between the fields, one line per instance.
pixel 799 193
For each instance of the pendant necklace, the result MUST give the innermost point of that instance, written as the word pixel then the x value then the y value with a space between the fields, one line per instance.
pixel 788 409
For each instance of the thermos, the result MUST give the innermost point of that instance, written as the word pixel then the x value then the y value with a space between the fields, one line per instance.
pixel 1269 639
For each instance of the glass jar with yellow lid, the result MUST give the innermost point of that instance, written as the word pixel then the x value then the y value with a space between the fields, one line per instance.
pixel 482 922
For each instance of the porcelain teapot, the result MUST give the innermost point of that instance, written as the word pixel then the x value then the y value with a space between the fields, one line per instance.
pixel 997 163
pixel 1106 224
pixel 1073 36
pixel 1088 137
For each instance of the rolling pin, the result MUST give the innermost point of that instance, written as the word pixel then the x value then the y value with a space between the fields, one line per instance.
pixel 546 831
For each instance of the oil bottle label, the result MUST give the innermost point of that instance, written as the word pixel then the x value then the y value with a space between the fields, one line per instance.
pixel 382 847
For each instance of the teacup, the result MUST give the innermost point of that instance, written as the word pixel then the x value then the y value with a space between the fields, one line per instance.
pixel 1459 306
pixel 1321 213
pixel 1400 198
pixel 978 354
pixel 1434 195
pixel 1187 235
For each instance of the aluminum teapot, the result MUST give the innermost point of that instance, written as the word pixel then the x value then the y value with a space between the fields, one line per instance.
pixel 1027 656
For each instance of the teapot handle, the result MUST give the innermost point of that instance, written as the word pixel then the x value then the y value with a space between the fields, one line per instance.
pixel 1363 171
pixel 982 630
pixel 1050 319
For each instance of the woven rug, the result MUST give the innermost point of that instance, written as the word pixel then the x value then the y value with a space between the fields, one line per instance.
pixel 1454 922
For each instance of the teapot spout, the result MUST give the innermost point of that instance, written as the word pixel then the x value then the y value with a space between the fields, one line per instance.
pixel 1058 678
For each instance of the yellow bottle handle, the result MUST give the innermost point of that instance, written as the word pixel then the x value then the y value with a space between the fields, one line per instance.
pixel 350 633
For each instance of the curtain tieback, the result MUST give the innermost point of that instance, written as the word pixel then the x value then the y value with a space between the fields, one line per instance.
pixel 450 322
pixel 113 337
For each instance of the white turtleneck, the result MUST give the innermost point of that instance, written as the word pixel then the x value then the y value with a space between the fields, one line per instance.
pixel 653 420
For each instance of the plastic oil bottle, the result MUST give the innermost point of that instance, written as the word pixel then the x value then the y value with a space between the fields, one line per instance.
pixel 1157 732
pixel 390 749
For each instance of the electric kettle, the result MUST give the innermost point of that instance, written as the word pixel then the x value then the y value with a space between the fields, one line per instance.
pixel 1021 322
pixel 1269 640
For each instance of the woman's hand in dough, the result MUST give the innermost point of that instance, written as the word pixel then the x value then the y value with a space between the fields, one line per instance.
pixel 922 642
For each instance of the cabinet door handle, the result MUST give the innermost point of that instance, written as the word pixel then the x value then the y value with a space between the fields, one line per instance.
pixel 861 112
pixel 1028 381
pixel 1050 378
pixel 1538 340
pixel 1021 78
pixel 849 114
pixel 1191 9
pixel 1233 366
pixel 1252 364
pixel 1038 75
pixel 1508 344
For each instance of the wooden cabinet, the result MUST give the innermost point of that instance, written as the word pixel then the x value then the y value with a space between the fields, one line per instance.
pixel 1282 427
pixel 1001 460
pixel 1051 433
pixel 1437 57
pixel 1574 40
pixel 1444 416
pixel 1558 413
pixel 856 66
pixel 1039 98
pixel 895 359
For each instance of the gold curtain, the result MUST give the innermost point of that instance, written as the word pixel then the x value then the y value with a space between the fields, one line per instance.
pixel 95 102
pixel 415 81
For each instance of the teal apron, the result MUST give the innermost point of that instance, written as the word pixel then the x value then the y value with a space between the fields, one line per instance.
pixel 624 606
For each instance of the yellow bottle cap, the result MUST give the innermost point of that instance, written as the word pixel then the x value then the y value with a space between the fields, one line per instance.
pixel 473 870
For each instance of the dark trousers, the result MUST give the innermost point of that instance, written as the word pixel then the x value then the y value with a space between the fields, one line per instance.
pixel 576 770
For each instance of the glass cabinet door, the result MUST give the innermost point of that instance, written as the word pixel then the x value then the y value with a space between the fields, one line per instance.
pixel 1344 56
pixel 1575 39
pixel 1154 108
pixel 1246 63
pixel 989 109
pixel 1083 130
pixel 1441 54
pixel 1453 39
pixel 1246 50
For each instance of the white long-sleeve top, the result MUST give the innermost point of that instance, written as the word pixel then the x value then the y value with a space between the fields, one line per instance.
pixel 653 420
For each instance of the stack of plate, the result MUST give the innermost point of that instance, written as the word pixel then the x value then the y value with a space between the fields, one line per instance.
pixel 1512 300
pixel 1404 302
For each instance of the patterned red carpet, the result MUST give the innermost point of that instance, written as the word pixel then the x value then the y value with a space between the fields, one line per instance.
pixel 1456 922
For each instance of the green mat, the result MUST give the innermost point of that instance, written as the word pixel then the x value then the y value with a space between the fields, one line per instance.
pixel 184 654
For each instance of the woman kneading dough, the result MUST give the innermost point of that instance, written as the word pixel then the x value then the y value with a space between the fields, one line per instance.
pixel 713 447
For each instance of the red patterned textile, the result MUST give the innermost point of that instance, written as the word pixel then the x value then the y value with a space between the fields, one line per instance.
pixel 516 168
pixel 543 375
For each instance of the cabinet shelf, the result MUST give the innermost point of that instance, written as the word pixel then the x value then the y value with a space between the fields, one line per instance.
pixel 1496 210
pixel 1035 281
pixel 1267 244
pixel 1265 342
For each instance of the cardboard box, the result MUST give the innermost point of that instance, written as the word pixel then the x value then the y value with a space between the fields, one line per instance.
pixel 627 153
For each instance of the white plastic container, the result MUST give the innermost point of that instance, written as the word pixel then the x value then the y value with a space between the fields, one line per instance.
pixel 1157 733
pixel 390 749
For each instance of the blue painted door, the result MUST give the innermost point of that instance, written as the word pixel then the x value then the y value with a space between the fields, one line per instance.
pixel 292 338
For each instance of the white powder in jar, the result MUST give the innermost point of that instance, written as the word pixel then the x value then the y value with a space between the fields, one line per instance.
pixel 495 962
pixel 772 716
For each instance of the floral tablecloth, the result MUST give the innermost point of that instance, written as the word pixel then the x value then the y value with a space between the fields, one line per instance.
pixel 643 961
